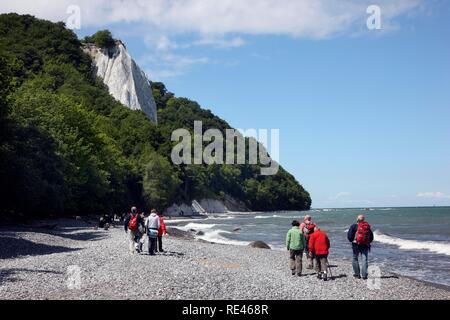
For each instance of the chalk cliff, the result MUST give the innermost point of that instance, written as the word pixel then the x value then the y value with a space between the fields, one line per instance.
pixel 123 77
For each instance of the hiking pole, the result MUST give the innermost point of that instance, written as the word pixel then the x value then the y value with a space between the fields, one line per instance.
pixel 329 268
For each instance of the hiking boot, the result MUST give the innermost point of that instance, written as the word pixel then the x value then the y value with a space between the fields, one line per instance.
pixel 325 277
pixel 293 272
pixel 319 276
pixel 356 276
pixel 365 278
pixel 299 274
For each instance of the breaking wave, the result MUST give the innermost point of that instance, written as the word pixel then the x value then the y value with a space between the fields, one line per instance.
pixel 216 236
pixel 433 246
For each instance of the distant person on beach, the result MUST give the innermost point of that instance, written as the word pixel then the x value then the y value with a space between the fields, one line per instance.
pixel 161 232
pixel 319 246
pixel 295 243
pixel 361 236
pixel 134 225
pixel 307 228
pixel 152 224
pixel 104 222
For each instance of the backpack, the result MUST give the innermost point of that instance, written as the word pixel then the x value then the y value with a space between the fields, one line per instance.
pixel 363 234
pixel 133 224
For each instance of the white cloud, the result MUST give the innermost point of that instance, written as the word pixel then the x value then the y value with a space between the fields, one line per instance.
pixel 163 65
pixel 220 42
pixel 433 195
pixel 214 23
pixel 298 18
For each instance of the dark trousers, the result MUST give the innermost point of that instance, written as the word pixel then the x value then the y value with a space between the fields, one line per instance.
pixel 151 245
pixel 160 245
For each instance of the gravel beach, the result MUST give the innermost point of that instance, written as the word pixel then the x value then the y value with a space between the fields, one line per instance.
pixel 39 263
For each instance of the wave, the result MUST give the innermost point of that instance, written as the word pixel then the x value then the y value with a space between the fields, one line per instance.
pixel 433 246
pixel 197 226
pixel 267 217
pixel 216 236
pixel 276 216
pixel 221 218
pixel 177 221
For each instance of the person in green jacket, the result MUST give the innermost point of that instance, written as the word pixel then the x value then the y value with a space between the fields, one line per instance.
pixel 295 243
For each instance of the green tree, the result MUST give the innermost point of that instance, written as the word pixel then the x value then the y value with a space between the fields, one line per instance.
pixel 103 39
pixel 159 182
pixel 5 80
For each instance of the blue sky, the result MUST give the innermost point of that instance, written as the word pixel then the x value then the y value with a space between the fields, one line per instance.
pixel 363 114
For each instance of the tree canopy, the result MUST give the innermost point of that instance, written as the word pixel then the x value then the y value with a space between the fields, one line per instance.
pixel 102 39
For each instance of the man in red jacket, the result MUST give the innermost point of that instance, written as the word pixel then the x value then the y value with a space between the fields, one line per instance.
pixel 319 245
pixel 161 232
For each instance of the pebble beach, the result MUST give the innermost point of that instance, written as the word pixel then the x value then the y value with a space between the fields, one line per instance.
pixel 40 263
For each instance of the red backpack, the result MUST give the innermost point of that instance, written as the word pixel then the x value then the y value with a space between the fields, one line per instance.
pixel 133 224
pixel 363 233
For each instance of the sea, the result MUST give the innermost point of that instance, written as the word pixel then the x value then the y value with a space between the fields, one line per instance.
pixel 413 242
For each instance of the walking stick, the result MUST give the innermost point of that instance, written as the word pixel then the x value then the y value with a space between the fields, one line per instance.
pixel 329 268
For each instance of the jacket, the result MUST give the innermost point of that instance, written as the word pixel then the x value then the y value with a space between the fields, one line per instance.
pixel 152 222
pixel 351 234
pixel 295 239
pixel 319 243
pixel 162 227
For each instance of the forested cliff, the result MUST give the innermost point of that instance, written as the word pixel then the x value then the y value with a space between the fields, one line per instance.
pixel 67 146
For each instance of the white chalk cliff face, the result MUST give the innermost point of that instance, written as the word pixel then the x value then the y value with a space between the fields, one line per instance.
pixel 125 80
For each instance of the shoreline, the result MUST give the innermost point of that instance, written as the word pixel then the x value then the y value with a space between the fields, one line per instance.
pixel 194 236
pixel 35 262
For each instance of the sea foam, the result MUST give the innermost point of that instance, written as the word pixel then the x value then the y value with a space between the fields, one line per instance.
pixel 433 246
pixel 216 236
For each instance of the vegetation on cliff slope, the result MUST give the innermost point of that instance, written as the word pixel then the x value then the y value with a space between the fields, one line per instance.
pixel 68 147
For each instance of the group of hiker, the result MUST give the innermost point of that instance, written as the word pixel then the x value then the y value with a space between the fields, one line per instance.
pixel 140 226
pixel 307 237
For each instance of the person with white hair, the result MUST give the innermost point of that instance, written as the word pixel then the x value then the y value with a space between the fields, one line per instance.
pixel 319 246
pixel 361 236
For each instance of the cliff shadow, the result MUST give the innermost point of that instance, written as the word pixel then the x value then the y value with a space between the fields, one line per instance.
pixel 79 233
pixel 12 247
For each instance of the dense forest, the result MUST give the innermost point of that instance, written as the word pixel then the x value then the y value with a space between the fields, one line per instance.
pixel 68 147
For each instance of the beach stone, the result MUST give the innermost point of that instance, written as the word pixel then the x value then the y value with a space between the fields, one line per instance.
pixel 237 230
pixel 259 245
pixel 200 233
pixel 190 270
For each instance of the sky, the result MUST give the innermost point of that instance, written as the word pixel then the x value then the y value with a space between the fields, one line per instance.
pixel 363 113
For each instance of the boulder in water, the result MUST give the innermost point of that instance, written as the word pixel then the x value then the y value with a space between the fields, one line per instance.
pixel 259 245
pixel 177 233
